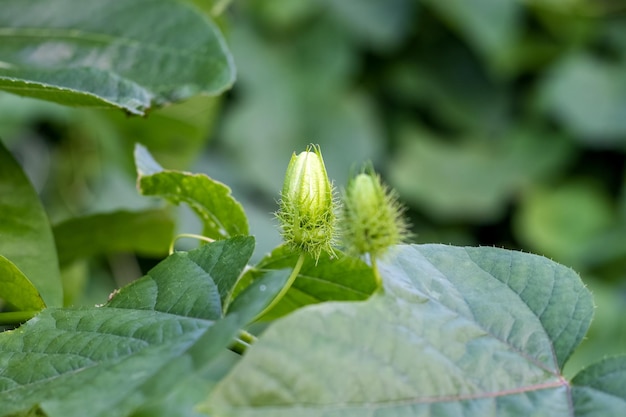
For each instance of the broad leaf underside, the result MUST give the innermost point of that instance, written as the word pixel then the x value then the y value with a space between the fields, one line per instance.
pixel 457 332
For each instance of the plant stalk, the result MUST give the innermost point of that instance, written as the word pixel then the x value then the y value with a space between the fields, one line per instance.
pixel 377 277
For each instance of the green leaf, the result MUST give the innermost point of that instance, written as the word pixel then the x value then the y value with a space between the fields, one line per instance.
pixel 145 232
pixel 185 381
pixel 77 355
pixel 378 23
pixel 587 94
pixel 257 296
pixel 457 331
pixel 17 289
pixel 25 235
pixel 225 262
pixel 600 390
pixel 209 276
pixel 220 213
pixel 109 361
pixel 565 222
pixel 457 181
pixel 174 134
pixel 126 55
pixel 491 26
pixel 339 278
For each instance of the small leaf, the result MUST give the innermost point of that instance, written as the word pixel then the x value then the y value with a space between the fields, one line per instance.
pixel 600 390
pixel 127 55
pixel 457 331
pixel 145 232
pixel 207 277
pixel 195 295
pixel 220 213
pixel 225 262
pixel 25 235
pixel 339 278
pixel 16 289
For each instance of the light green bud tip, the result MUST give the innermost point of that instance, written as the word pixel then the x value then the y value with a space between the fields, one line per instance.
pixel 372 216
pixel 306 212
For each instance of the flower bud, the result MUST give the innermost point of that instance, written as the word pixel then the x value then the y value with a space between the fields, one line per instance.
pixel 307 205
pixel 372 216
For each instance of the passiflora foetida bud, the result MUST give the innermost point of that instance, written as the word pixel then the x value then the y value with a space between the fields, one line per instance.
pixel 372 217
pixel 307 205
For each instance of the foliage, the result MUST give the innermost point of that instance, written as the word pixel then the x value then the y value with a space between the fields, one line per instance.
pixel 498 123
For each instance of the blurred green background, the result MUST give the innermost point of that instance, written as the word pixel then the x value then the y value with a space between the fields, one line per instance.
pixel 499 122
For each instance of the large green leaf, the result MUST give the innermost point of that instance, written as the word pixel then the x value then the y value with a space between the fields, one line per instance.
pixel 146 232
pixel 108 361
pixel 25 234
pixel 338 278
pixel 457 331
pixel 128 55
pixel 220 213
pixel 600 390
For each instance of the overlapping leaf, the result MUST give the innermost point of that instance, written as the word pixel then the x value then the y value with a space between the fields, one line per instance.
pixel 154 333
pixel 17 289
pixel 338 278
pixel 458 331
pixel 25 236
pixel 600 390
pixel 127 55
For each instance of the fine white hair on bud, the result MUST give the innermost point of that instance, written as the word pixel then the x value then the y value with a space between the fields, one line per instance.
pixel 307 205
pixel 372 217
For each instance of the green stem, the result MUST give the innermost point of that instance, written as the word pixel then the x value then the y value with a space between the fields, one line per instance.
pixel 190 235
pixel 246 337
pixel 377 277
pixel 242 343
pixel 16 317
pixel 283 291
pixel 239 346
